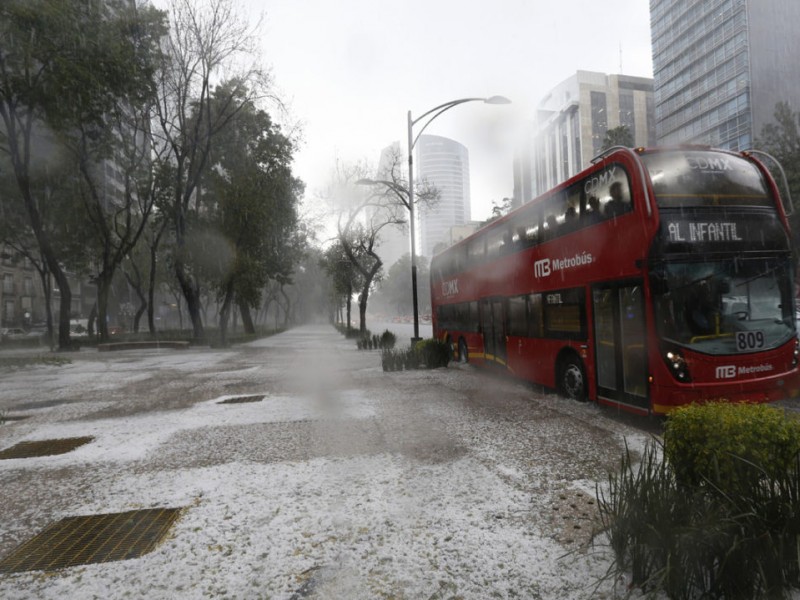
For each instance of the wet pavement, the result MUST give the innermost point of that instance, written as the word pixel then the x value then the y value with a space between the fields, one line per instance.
pixel 390 461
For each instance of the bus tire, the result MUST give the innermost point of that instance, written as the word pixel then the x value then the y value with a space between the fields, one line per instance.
pixel 572 379
pixel 463 356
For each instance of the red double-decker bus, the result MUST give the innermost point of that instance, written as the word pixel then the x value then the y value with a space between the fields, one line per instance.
pixel 654 278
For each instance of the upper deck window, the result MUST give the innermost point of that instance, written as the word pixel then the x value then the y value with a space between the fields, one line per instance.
pixel 685 178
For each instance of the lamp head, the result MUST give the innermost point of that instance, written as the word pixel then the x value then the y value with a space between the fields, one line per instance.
pixel 497 100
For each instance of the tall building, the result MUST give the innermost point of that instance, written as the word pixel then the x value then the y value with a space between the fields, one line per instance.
pixel 570 124
pixel 444 164
pixel 721 66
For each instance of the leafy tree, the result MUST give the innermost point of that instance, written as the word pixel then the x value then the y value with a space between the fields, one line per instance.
pixel 781 139
pixel 252 199
pixel 500 209
pixel 345 278
pixel 618 136
pixel 362 218
pixel 206 40
pixel 65 65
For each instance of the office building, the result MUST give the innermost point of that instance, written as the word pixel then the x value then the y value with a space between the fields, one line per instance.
pixel 721 66
pixel 570 123
pixel 444 164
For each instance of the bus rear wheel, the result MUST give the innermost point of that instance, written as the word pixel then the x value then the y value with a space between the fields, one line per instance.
pixel 573 379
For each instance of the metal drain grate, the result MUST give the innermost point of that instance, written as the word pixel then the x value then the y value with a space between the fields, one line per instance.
pixel 242 399
pixel 44 447
pixel 92 539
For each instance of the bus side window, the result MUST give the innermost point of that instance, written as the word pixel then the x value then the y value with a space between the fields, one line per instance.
pixel 476 251
pixel 517 318
pixel 554 210
pixel 525 228
pixel 535 317
pixel 495 241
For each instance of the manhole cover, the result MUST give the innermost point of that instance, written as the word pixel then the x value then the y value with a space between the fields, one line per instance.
pixel 92 539
pixel 242 399
pixel 44 448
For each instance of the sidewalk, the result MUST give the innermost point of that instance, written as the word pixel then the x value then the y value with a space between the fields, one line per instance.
pixel 343 482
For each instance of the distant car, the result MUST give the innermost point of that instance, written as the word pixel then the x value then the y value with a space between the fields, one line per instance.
pixel 115 330
pixel 13 333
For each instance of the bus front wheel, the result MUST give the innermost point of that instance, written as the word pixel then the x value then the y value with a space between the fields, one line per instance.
pixel 573 379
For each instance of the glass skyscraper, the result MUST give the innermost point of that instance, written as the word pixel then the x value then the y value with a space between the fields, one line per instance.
pixel 444 164
pixel 720 66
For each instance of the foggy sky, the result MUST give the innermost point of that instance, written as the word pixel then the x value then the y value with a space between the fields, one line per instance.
pixel 350 70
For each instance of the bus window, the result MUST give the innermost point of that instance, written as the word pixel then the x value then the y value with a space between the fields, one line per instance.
pixel 525 228
pixel 535 316
pixel 565 314
pixel 475 251
pixel 460 258
pixel 554 209
pixel 495 242
pixel 517 319
pixel 702 178
pixel 612 189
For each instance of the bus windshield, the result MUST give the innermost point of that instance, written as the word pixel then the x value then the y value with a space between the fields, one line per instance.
pixel 724 307
pixel 685 178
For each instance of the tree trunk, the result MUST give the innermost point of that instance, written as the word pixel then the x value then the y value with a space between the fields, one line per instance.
pixel 192 295
pixel 286 309
pixel 362 311
pixel 47 287
pixel 224 313
pixel 64 306
pixel 103 290
pixel 92 319
pixel 151 282
pixel 349 309
pixel 247 319
pixel 137 287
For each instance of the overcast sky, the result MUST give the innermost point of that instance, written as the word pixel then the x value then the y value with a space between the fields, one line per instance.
pixel 352 69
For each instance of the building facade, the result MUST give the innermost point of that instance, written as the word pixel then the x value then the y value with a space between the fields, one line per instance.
pixel 570 125
pixel 444 164
pixel 721 66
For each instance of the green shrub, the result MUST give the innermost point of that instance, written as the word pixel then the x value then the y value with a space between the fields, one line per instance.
pixel 730 444
pixel 433 353
pixel 388 340
pixel 715 511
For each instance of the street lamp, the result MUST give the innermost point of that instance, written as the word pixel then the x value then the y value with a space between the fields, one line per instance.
pixel 403 193
pixel 412 141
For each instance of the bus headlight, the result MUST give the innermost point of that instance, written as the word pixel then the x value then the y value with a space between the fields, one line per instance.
pixel 796 352
pixel 677 365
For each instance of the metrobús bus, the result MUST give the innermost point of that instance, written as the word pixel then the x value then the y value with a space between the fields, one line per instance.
pixel 652 279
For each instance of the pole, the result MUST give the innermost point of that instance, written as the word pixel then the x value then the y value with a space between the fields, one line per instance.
pixel 411 224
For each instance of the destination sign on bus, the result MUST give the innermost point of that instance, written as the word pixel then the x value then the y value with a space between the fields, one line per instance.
pixel 701 229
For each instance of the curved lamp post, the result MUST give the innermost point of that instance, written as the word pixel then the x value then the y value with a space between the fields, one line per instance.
pixel 409 193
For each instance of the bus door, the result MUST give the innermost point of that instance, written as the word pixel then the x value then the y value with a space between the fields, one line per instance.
pixel 493 328
pixel 620 342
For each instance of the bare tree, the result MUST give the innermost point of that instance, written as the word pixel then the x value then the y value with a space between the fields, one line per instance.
pixel 362 216
pixel 208 42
